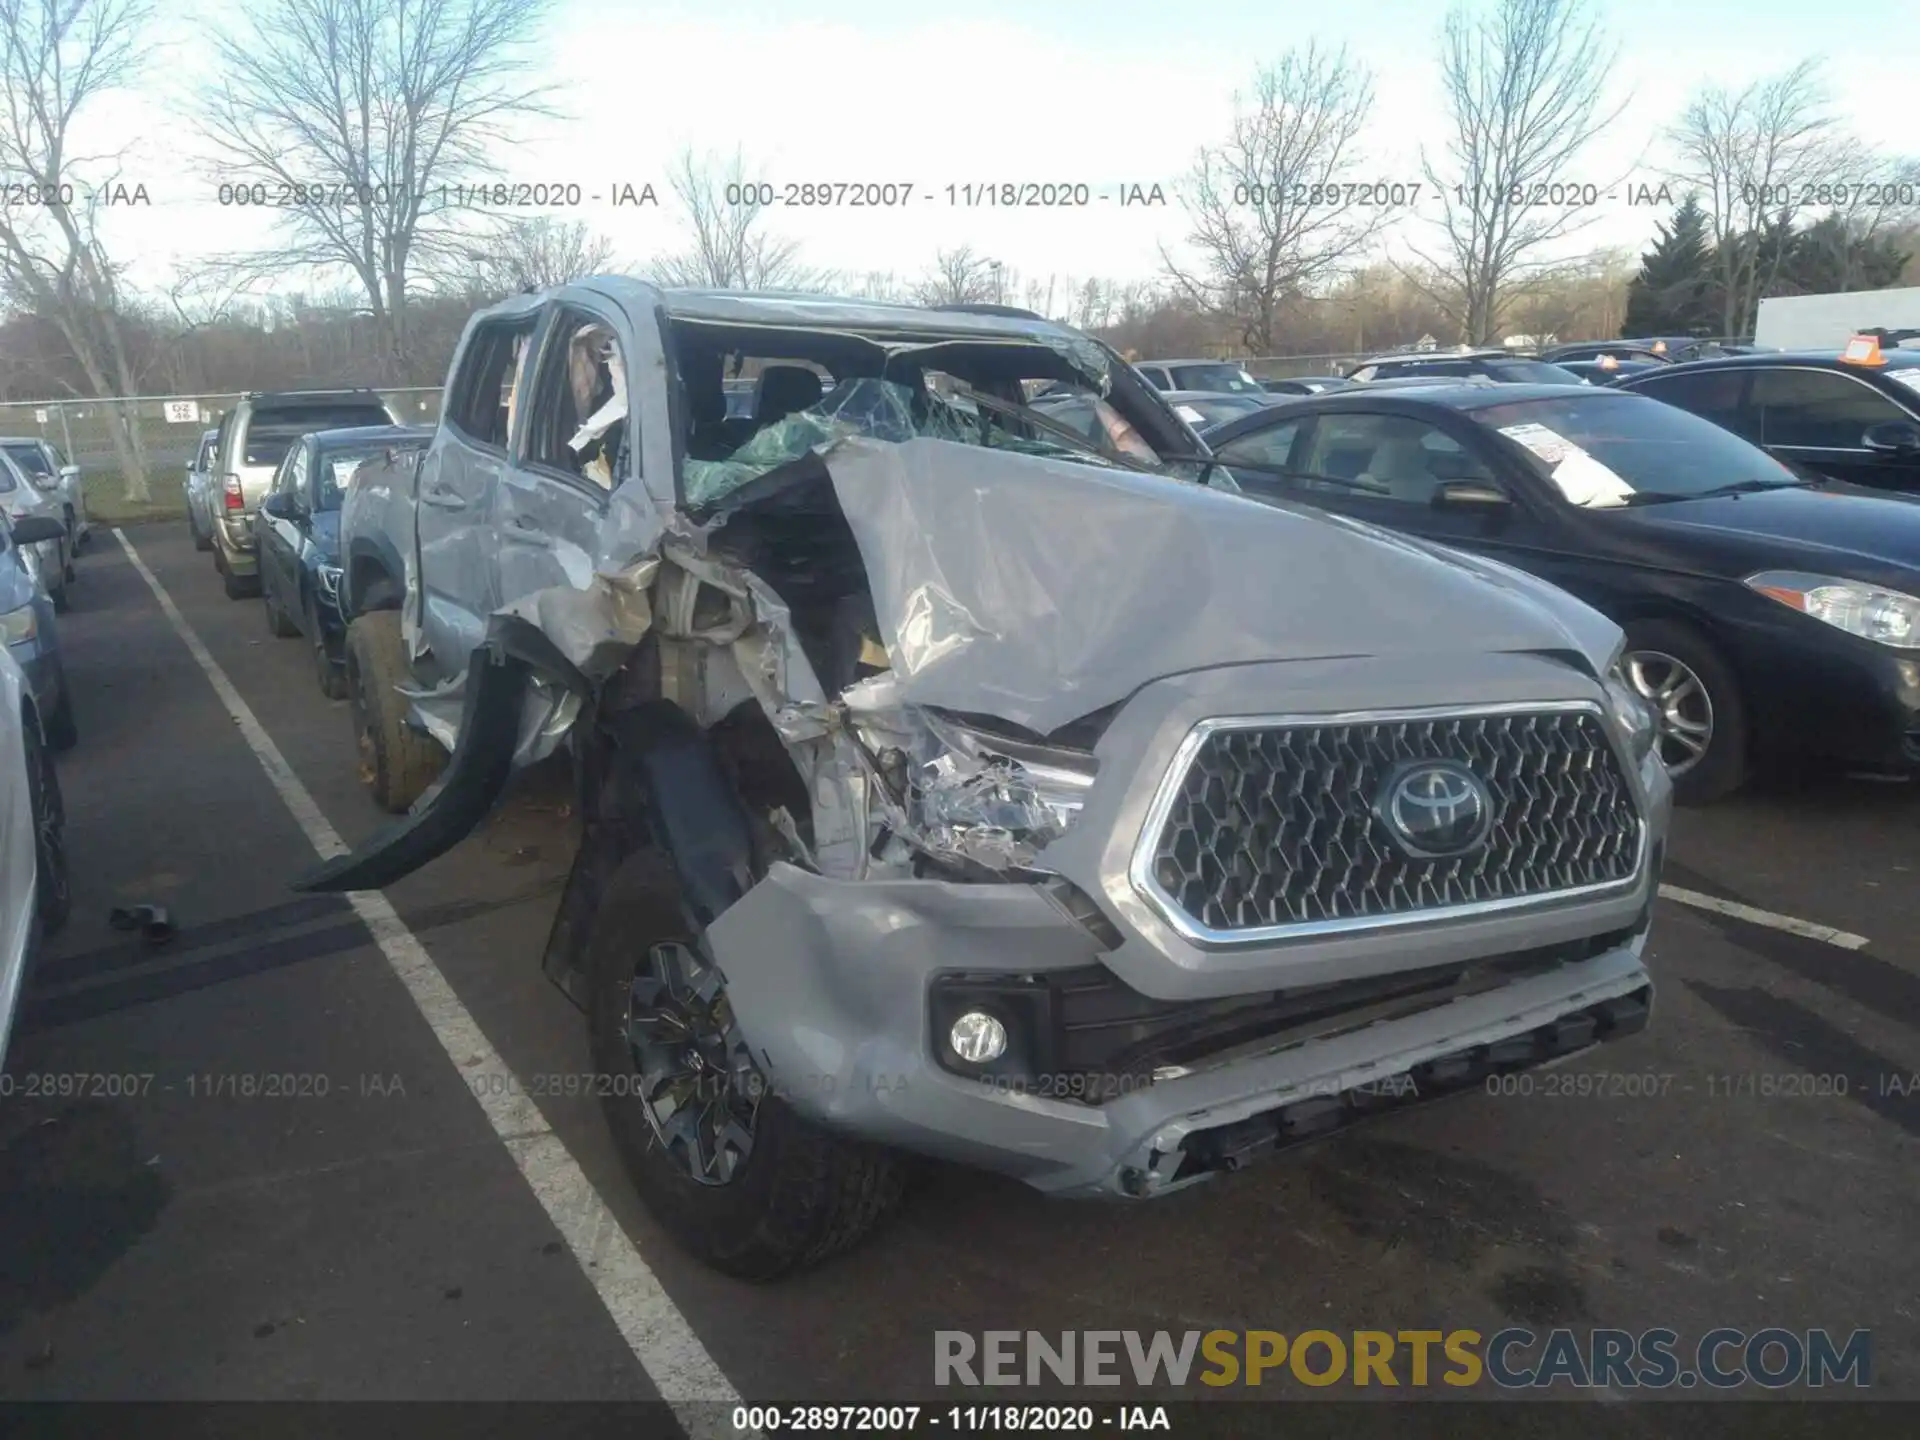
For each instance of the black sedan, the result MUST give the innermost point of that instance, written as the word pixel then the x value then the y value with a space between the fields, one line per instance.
pixel 297 528
pixel 1766 611
pixel 1853 414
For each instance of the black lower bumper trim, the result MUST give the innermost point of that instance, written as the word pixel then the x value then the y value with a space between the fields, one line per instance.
pixel 1233 1147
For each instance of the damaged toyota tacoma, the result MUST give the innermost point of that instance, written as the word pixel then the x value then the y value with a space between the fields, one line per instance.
pixel 957 781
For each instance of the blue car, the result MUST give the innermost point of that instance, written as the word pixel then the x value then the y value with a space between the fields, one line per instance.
pixel 297 529
pixel 27 625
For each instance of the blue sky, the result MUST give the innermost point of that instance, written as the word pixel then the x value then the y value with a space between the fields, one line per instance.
pixel 1103 93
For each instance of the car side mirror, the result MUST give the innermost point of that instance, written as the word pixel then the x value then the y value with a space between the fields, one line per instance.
pixel 1471 495
pixel 34 529
pixel 1892 437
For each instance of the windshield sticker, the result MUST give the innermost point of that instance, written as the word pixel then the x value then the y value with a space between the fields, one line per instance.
pixel 1908 378
pixel 1581 478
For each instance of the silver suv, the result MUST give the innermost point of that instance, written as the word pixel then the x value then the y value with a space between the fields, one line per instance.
pixel 254 438
pixel 957 781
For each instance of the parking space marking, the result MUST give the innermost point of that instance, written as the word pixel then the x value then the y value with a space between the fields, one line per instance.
pixel 661 1339
pixel 1845 939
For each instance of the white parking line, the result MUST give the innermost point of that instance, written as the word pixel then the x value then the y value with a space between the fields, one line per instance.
pixel 661 1339
pixel 1846 940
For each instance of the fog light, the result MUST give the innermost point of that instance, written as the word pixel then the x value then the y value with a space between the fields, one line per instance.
pixel 977 1037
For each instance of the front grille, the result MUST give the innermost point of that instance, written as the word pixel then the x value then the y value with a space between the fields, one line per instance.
pixel 1271 827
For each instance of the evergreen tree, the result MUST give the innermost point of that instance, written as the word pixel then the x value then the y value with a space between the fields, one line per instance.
pixel 1831 255
pixel 1673 293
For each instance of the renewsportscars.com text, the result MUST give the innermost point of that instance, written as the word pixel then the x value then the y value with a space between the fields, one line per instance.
pixel 1722 1359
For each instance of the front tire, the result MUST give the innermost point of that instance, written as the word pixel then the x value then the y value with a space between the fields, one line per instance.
pixel 397 762
pixel 1701 718
pixel 737 1177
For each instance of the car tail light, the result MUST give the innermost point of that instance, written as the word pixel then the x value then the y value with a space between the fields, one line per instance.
pixel 235 501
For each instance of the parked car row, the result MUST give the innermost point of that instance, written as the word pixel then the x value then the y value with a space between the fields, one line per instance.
pixel 283 463
pixel 37 529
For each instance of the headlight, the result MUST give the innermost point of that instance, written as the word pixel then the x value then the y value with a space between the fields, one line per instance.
pixel 1885 616
pixel 18 626
pixel 994 800
pixel 1631 712
pixel 330 580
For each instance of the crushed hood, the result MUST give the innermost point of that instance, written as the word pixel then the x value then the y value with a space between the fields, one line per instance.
pixel 1039 591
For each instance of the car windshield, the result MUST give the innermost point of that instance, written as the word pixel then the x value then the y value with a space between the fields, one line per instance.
pixel 337 465
pixel 1608 449
pixel 1530 372
pixel 31 459
pixel 1225 379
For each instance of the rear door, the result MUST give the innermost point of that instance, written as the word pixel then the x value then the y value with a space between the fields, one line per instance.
pixel 459 479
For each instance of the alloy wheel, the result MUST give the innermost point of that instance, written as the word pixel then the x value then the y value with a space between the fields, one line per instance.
pixel 1683 710
pixel 695 1076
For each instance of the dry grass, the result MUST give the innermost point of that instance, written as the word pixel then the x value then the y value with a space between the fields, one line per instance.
pixel 107 502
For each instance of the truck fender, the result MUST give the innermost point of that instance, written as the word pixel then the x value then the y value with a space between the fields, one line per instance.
pixel 648 776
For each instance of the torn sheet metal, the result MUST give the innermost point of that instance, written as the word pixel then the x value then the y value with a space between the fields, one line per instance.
pixel 595 627
pixel 1039 591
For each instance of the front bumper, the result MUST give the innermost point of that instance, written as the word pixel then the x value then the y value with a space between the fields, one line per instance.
pixel 836 984
pixel 830 981
pixel 1815 690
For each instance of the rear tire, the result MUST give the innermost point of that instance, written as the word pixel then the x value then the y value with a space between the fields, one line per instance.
pixel 53 895
pixel 397 762
pixel 201 540
pixel 1671 657
pixel 238 587
pixel 799 1195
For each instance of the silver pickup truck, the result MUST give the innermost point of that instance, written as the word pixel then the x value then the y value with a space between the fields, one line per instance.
pixel 959 782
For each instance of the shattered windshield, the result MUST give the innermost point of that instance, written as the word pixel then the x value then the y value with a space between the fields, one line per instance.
pixel 880 410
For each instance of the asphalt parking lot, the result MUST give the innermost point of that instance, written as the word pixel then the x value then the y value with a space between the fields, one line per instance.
pixel 389 1224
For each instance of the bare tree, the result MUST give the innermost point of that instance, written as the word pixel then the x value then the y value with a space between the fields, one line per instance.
pixel 959 277
pixel 369 125
pixel 1271 212
pixel 532 255
pixel 730 245
pixel 1749 153
pixel 56 58
pixel 1524 86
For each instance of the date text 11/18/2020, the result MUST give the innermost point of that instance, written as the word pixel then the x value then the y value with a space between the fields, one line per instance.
pixel 959 1419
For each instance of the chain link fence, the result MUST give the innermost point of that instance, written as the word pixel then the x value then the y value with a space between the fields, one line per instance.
pixel 169 426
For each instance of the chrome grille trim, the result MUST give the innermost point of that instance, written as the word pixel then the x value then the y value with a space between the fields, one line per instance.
pixel 1145 883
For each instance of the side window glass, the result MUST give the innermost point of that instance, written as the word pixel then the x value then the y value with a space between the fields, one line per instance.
pixel 579 424
pixel 487 386
pixel 1712 395
pixel 299 470
pixel 1818 409
pixel 1388 457
pixel 1272 447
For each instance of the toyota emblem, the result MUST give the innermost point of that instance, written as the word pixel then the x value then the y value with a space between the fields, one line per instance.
pixel 1435 809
